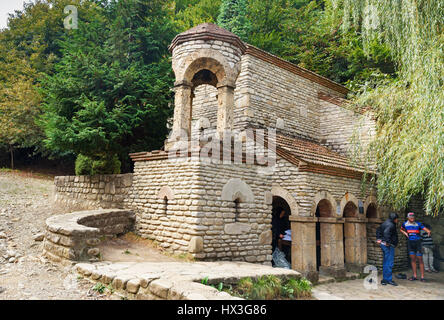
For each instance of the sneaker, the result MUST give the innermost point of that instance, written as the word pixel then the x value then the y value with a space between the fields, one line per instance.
pixel 393 283
pixel 434 270
pixel 384 282
pixel 429 271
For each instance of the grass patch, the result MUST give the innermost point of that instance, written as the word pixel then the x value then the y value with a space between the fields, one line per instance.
pixel 102 288
pixel 266 288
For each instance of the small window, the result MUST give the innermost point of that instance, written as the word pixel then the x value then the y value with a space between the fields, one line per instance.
pixel 165 205
pixel 236 210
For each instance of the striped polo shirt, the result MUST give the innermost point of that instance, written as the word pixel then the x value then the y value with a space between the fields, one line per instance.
pixel 427 240
pixel 413 229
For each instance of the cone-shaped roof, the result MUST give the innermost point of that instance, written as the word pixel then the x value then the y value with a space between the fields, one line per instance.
pixel 208 31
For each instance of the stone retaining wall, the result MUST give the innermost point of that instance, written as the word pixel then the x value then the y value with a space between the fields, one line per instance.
pixel 75 236
pixel 92 192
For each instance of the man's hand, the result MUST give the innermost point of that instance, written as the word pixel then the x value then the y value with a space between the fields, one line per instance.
pixel 378 241
pixel 281 236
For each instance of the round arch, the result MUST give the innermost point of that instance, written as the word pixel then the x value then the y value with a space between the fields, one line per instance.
pixel 166 192
pixel 347 198
pixel 286 195
pixel 371 202
pixel 237 189
pixel 324 195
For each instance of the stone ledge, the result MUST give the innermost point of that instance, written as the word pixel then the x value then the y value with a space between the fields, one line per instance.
pixel 175 280
pixel 74 236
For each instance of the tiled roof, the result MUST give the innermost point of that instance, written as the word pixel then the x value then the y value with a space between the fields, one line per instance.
pixel 208 31
pixel 312 153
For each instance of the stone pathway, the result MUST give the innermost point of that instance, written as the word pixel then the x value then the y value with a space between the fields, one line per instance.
pixel 175 280
pixel 407 290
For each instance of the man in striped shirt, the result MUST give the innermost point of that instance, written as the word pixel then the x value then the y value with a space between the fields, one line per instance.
pixel 411 229
pixel 427 249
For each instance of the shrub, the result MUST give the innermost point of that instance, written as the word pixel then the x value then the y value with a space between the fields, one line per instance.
pixel 266 288
pixel 86 165
pixel 83 165
pixel 297 288
pixel 106 165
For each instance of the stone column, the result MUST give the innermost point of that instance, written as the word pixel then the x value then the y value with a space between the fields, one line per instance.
pixel 355 244
pixel 303 246
pixel 332 247
pixel 182 109
pixel 225 97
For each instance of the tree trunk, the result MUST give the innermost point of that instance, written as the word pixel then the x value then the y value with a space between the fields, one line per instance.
pixel 11 150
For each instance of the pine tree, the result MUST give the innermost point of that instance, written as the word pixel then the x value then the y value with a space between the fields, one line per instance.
pixel 110 93
pixel 233 17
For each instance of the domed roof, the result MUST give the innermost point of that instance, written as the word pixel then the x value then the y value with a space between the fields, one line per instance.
pixel 208 31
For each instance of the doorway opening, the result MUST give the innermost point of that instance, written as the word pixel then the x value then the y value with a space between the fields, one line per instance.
pixel 281 228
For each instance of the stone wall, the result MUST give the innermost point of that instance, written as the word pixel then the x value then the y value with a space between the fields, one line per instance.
pixel 199 216
pixel 272 93
pixel 339 126
pixel 92 192
pixel 75 236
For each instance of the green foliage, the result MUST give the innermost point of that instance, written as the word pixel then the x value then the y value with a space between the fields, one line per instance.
pixel 106 164
pixel 409 145
pixel 113 98
pixel 83 165
pixel 297 288
pixel 268 288
pixel 99 287
pixel 233 17
pixel 190 13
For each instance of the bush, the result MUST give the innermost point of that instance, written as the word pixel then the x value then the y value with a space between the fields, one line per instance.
pixel 297 288
pixel 83 165
pixel 108 165
pixel 270 287
pixel 102 165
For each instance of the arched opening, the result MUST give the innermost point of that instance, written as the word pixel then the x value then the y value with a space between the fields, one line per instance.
pixel 280 226
pixel 350 210
pixel 324 209
pixel 204 105
pixel 372 212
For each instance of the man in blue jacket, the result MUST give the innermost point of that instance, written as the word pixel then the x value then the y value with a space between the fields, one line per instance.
pixel 387 238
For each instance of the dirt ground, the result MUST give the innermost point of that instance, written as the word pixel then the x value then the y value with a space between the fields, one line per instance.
pixel 25 204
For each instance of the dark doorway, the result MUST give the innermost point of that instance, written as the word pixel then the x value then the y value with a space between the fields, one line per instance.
pixel 371 211
pixel 280 223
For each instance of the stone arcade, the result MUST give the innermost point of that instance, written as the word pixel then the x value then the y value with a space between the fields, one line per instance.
pixel 221 210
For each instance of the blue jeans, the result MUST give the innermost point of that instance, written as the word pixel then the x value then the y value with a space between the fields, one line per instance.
pixel 388 261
